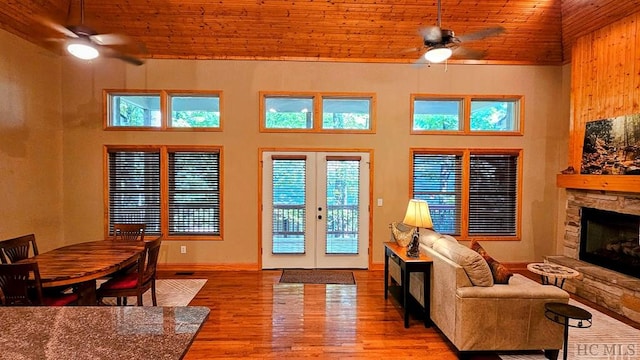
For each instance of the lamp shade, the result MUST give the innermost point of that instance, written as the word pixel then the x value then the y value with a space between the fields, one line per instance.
pixel 438 54
pixel 418 214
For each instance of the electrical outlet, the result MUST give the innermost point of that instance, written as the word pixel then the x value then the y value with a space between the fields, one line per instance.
pixel 183 249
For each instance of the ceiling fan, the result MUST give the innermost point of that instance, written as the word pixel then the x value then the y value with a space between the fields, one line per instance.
pixel 441 43
pixel 85 43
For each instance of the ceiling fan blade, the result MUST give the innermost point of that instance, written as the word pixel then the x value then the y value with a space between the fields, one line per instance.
pixel 107 52
pixel 492 31
pixel 466 53
pixel 432 34
pixel 55 26
pixel 110 39
pixel 413 49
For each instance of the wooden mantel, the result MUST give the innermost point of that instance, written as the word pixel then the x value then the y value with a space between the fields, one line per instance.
pixel 619 183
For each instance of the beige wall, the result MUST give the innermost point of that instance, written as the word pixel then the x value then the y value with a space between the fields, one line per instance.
pixel 544 142
pixel 30 142
pixel 51 180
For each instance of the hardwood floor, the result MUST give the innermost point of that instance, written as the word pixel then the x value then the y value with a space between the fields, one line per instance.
pixel 254 317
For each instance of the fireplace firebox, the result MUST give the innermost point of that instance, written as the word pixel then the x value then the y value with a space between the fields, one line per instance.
pixel 611 240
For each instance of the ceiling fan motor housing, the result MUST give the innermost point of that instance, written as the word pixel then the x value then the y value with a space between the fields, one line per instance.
pixel 448 36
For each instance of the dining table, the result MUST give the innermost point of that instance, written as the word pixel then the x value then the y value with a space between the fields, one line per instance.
pixel 81 265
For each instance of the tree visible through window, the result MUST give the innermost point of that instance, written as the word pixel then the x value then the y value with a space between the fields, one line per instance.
pixel 195 111
pixel 466 114
pixel 317 112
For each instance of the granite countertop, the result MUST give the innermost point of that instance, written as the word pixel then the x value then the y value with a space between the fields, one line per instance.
pixel 98 332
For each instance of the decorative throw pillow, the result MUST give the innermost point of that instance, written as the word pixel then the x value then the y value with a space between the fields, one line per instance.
pixel 473 264
pixel 500 272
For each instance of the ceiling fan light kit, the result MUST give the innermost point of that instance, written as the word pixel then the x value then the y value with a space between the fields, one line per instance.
pixel 85 43
pixel 438 54
pixel 82 50
pixel 439 44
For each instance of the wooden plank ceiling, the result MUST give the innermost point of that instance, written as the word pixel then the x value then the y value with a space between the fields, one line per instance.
pixel 536 31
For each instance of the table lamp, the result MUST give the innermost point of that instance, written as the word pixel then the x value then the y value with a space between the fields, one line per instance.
pixel 417 215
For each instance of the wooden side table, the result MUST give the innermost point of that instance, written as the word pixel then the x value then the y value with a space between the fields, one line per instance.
pixel 408 265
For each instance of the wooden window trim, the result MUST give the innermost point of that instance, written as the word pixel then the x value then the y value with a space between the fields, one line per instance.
pixel 317 100
pixel 466 114
pixel 464 205
pixel 164 185
pixel 164 109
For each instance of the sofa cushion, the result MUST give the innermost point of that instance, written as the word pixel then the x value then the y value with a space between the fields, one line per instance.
pixel 428 237
pixel 449 238
pixel 500 272
pixel 473 264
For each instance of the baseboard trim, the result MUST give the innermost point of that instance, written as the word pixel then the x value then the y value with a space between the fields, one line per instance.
pixel 229 267
pixel 208 267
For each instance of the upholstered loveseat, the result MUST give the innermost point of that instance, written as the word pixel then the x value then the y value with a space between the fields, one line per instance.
pixel 477 314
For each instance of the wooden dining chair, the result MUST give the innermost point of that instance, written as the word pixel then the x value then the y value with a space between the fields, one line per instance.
pixel 19 248
pixel 129 231
pixel 20 285
pixel 135 283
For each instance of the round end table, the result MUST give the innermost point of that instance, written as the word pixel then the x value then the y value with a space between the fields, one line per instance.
pixel 568 316
pixel 548 270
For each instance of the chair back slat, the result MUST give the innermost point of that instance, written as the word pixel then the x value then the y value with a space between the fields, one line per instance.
pixel 19 248
pixel 20 284
pixel 153 251
pixel 131 232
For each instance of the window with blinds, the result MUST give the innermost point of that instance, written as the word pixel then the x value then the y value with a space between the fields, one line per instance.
pixel 134 189
pixel 493 182
pixel 289 205
pixel 480 199
pixel 194 193
pixel 176 192
pixel 437 179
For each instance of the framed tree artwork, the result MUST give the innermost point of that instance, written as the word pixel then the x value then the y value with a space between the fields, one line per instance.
pixel 612 146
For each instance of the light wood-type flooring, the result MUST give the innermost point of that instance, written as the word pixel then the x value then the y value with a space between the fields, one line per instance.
pixel 254 317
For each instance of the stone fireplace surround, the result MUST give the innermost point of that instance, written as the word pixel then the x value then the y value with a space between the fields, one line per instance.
pixel 615 291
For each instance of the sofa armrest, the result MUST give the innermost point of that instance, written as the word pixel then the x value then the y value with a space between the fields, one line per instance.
pixel 519 287
pixel 507 316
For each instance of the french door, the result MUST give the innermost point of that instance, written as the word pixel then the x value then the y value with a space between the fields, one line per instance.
pixel 315 210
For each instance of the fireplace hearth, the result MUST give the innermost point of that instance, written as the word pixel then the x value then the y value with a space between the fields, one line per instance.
pixel 611 240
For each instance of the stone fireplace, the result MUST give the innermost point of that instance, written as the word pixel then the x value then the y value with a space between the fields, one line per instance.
pixel 606 264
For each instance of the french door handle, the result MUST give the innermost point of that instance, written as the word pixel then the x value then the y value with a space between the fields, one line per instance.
pixel 319 217
pixel 320 208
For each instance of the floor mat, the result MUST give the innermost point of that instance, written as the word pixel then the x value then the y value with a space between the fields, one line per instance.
pixel 317 277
